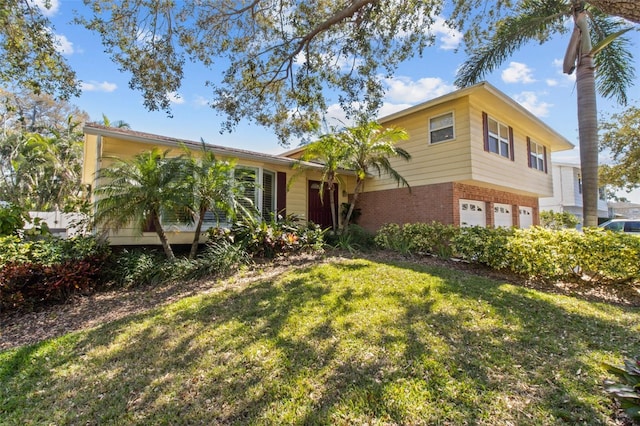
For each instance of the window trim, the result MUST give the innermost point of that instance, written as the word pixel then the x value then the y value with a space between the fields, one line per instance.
pixel 539 155
pixel 453 128
pixel 487 135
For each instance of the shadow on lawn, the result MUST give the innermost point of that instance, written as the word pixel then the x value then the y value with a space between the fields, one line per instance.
pixel 301 350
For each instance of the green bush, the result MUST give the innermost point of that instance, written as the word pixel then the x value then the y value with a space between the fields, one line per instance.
pixel 272 238
pixel 130 268
pixel 12 220
pixel 418 238
pixel 51 269
pixel 536 252
pixel 482 245
pixel 136 267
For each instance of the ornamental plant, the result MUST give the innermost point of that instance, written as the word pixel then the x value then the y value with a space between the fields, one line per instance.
pixel 627 388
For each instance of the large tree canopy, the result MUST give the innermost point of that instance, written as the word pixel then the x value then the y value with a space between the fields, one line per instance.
pixel 279 63
pixel 621 138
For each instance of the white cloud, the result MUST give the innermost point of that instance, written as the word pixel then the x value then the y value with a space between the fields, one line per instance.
pixel 517 72
pixel 530 101
pixel 406 91
pixel 54 6
pixel 63 45
pixel 95 86
pixel 566 78
pixel 201 101
pixel 449 38
pixel 551 82
pixel 175 98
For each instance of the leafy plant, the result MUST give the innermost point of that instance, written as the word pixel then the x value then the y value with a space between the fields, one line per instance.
pixel 627 389
pixel 12 219
pixel 275 237
pixel 558 220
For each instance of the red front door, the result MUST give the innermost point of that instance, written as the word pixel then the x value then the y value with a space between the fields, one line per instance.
pixel 320 209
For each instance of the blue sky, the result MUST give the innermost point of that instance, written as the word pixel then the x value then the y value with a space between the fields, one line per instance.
pixel 532 76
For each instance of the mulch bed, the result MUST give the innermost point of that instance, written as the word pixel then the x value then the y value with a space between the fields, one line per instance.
pixel 83 312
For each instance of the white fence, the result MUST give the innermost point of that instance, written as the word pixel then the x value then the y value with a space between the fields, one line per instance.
pixel 60 224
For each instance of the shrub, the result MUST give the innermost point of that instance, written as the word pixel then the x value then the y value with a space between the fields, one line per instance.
pixel 481 245
pixel 52 269
pixel 129 268
pixel 12 220
pixel 272 238
pixel 558 220
pixel 536 252
pixel 420 238
pixel 627 389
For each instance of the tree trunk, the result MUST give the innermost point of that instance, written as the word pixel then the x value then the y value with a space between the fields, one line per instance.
pixel 332 204
pixel 163 237
pixel 196 235
pixel 356 192
pixel 587 124
pixel 627 9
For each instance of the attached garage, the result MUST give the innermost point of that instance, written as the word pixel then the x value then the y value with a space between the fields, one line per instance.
pixel 473 213
pixel 502 216
pixel 526 217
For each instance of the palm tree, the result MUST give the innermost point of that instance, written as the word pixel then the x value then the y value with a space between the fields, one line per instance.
pixel 536 21
pixel 139 190
pixel 329 150
pixel 368 148
pixel 118 124
pixel 213 186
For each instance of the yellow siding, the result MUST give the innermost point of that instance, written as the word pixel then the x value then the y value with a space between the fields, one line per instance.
pixel 431 163
pixel 89 159
pixel 181 234
pixel 500 172
pixel 464 159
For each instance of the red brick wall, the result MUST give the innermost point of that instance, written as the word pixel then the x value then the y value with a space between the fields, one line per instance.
pixel 439 202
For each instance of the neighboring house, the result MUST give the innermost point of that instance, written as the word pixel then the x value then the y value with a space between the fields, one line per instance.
pixel 272 175
pixel 478 158
pixel 567 192
pixel 624 210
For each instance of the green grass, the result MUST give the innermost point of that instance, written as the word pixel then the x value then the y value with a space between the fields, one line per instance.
pixel 351 342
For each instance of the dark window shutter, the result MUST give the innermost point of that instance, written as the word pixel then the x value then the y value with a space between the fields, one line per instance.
pixel 485 130
pixel 529 151
pixel 511 154
pixel 281 191
pixel 546 170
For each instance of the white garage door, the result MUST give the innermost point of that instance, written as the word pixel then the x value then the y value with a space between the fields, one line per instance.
pixel 502 215
pixel 526 217
pixel 472 213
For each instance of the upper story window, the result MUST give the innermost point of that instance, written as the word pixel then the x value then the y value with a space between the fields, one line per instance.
pixel 537 156
pixel 498 137
pixel 441 128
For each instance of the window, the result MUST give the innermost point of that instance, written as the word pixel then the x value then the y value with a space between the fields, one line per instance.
pixel 268 194
pixel 260 194
pixel 537 156
pixel 498 137
pixel 441 128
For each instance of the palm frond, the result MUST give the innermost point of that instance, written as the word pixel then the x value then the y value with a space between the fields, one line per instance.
pixel 536 21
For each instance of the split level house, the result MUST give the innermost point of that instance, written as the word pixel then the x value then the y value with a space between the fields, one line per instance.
pixel 478 158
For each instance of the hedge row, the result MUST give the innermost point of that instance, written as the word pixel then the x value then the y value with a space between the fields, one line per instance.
pixel 48 270
pixel 567 254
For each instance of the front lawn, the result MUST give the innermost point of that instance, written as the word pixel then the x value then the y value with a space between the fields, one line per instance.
pixel 347 342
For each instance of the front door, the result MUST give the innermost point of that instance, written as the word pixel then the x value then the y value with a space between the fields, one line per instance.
pixel 320 208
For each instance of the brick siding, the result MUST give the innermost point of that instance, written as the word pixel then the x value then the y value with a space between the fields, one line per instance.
pixel 438 202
